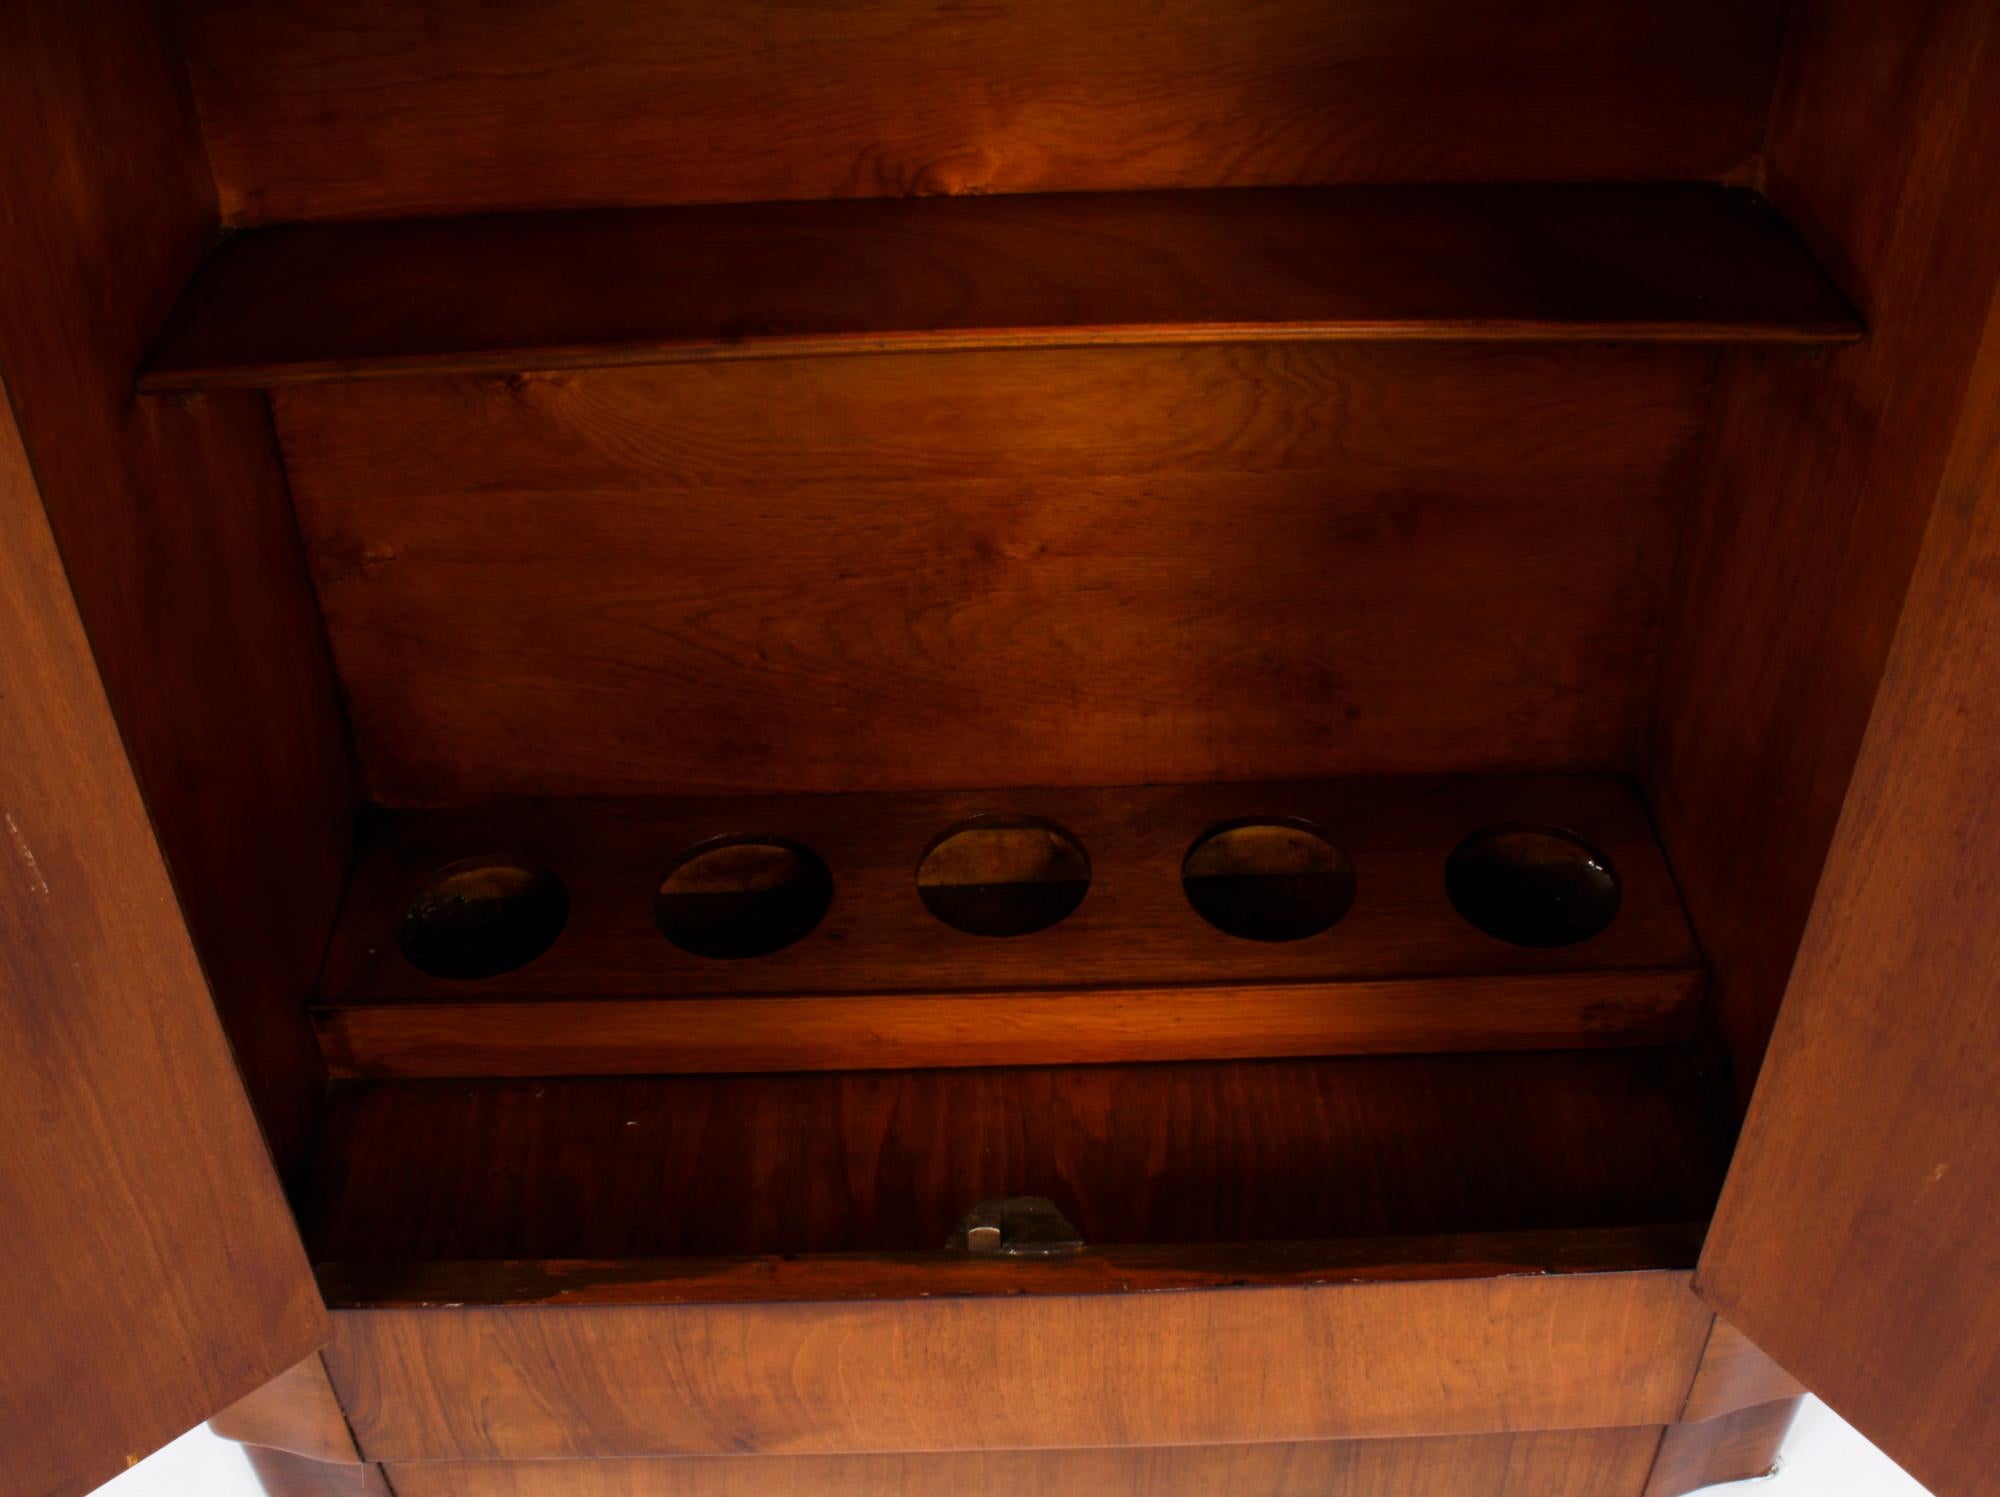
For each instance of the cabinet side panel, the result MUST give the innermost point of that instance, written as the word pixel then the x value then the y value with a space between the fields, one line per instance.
pixel 1819 476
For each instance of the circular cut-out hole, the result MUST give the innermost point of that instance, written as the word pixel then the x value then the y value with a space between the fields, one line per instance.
pixel 1268 879
pixel 481 917
pixel 1532 885
pixel 742 896
pixel 1003 876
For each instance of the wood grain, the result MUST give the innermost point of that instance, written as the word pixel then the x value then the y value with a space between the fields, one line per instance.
pixel 173 524
pixel 282 1474
pixel 639 1036
pixel 297 1411
pixel 1135 973
pixel 797 1278
pixel 587 290
pixel 377 109
pixel 1350 1361
pixel 1039 567
pixel 888 1161
pixel 1733 1376
pixel 1737 1447
pixel 1867 1174
pixel 152 1272
pixel 156 1274
pixel 1819 478
pixel 1566 1463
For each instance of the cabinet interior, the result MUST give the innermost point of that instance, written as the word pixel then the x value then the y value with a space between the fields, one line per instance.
pixel 1251 620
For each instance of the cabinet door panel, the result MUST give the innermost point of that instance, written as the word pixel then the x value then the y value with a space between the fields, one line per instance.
pixel 152 1271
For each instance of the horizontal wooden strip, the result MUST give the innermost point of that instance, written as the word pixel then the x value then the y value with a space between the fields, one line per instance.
pixel 1348 1361
pixel 1134 931
pixel 1556 1463
pixel 602 288
pixel 638 1036
pixel 1124 1269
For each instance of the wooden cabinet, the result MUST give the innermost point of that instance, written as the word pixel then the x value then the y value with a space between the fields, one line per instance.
pixel 1099 750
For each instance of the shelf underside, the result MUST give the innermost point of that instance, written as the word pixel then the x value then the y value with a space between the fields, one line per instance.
pixel 888 1161
pixel 590 289
pixel 1134 973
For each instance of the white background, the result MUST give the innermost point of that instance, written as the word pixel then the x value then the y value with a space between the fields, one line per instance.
pixel 1823 1458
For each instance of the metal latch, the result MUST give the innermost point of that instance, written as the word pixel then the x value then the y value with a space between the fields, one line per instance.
pixel 1018 1227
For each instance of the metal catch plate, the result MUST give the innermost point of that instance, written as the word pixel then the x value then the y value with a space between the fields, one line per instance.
pixel 1018 1227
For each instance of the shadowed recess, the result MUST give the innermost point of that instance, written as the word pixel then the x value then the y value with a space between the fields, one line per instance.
pixel 1268 879
pixel 1532 885
pixel 743 897
pixel 481 917
pixel 1003 876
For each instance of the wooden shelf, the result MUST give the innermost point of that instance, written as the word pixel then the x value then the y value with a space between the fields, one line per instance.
pixel 1133 974
pixel 635 286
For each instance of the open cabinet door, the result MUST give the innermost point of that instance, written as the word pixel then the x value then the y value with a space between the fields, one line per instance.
pixel 152 1273
pixel 156 639
pixel 1858 1238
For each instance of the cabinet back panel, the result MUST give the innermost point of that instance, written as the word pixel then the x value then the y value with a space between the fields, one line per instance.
pixel 380 109
pixel 1024 568
pixel 888 1161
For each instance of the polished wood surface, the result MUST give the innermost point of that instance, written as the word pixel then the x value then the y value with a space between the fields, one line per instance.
pixel 1819 478
pixel 1736 1447
pixel 153 1273
pixel 889 1160
pixel 384 108
pixel 1021 568
pixel 283 1474
pixel 1036 567
pixel 1567 1463
pixel 297 1411
pixel 798 1278
pixel 587 290
pixel 637 1036
pixel 1867 1173
pixel 173 524
pixel 1734 1375
pixel 1134 973
pixel 1344 1361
